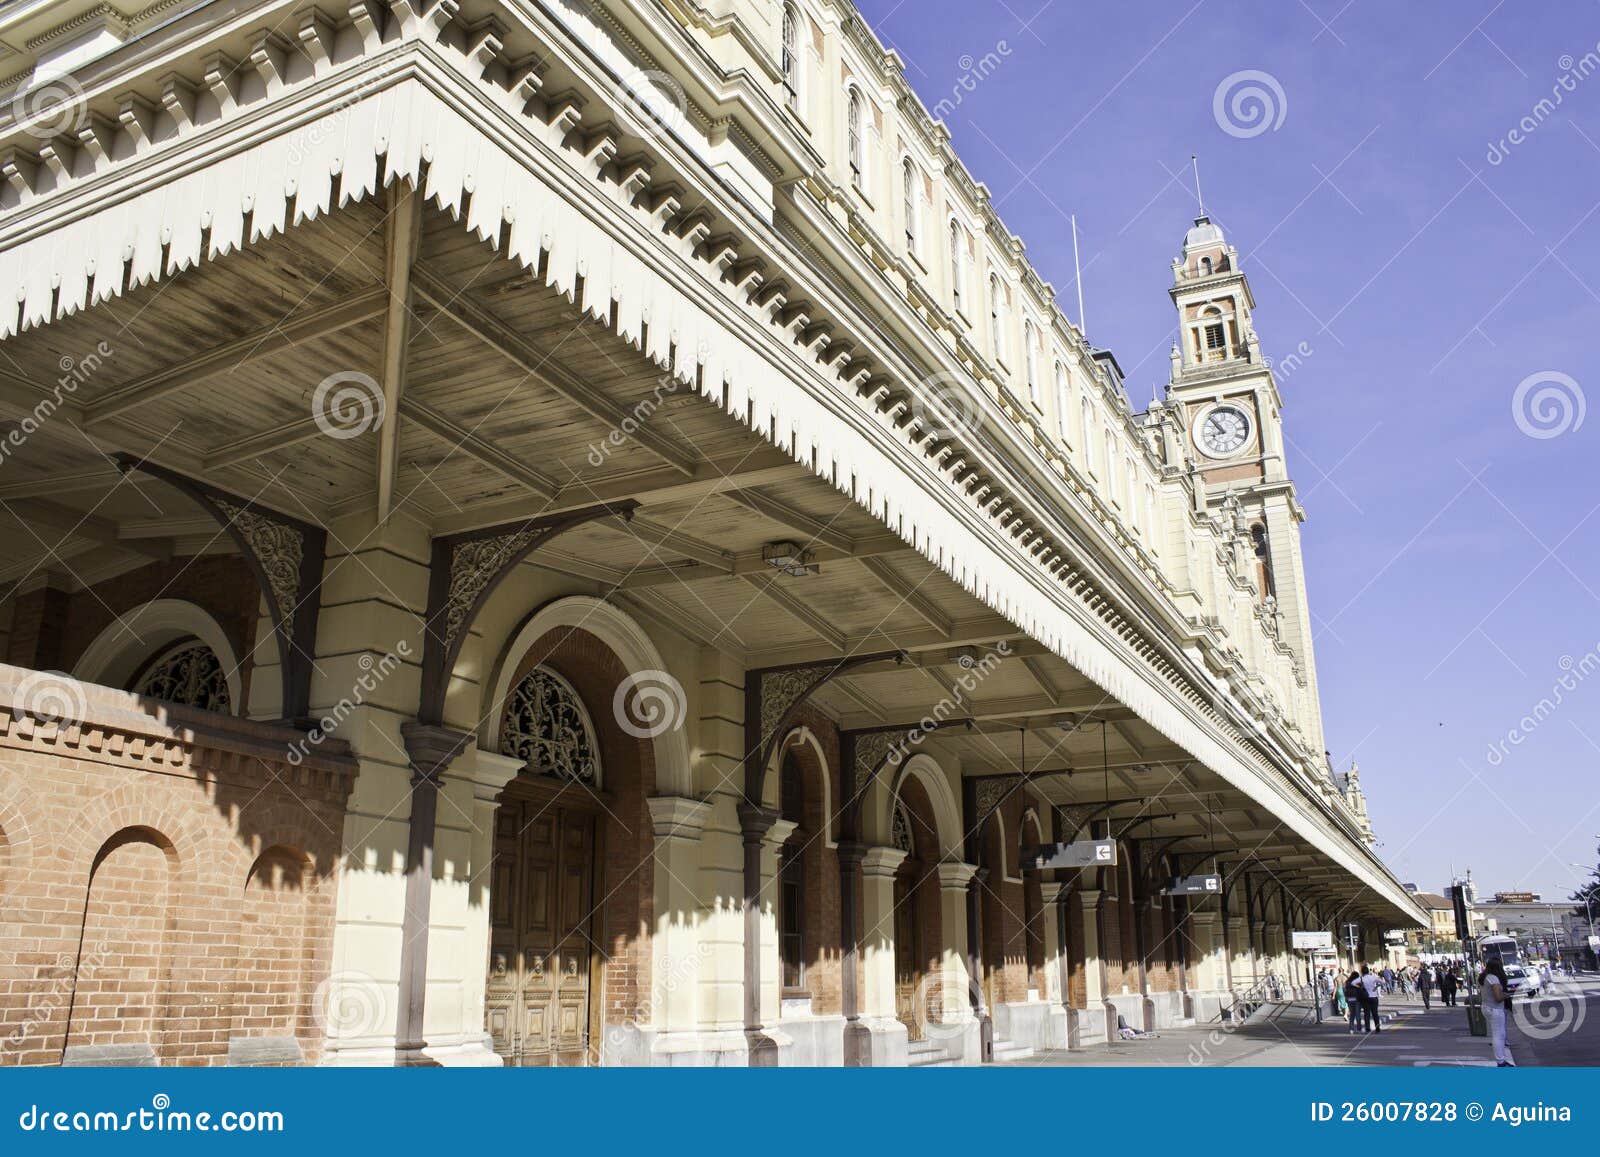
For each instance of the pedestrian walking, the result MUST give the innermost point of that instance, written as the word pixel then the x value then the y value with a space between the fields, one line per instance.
pixel 1353 999
pixel 1372 985
pixel 1447 985
pixel 1425 984
pixel 1496 1003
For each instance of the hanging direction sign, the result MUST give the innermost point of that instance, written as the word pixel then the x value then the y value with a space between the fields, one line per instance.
pixel 1210 885
pixel 1311 941
pixel 1081 854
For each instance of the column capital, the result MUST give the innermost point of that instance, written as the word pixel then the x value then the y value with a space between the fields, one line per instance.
pixel 431 748
pixel 956 875
pixel 754 822
pixel 1090 899
pixel 1050 891
pixel 780 831
pixel 881 862
pixel 678 817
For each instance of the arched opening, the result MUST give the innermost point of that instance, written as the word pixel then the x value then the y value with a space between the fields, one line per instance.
pixel 1004 923
pixel 571 900
pixel 917 936
pixel 187 672
pixel 1262 546
pixel 168 649
pixel 118 1010
pixel 1033 920
pixel 807 882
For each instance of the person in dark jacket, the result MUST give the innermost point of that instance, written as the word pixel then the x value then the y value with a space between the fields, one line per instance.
pixel 1355 999
pixel 1447 985
pixel 1425 984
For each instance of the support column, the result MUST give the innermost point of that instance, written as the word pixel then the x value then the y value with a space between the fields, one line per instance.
pixel 881 1038
pixel 1053 932
pixel 1096 1013
pixel 957 983
pixel 754 823
pixel 677 954
pixel 979 999
pixel 431 749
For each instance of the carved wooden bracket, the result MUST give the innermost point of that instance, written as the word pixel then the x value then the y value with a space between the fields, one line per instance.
pixel 466 569
pixel 285 555
pixel 772 697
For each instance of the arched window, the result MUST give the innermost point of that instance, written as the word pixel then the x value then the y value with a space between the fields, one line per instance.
pixel 1263 552
pixel 1213 335
pixel 996 320
pixel 1205 266
pixel 1151 521
pixel 791 876
pixel 189 673
pixel 1130 492
pixel 547 727
pixel 911 200
pixel 791 57
pixel 1111 465
pixel 900 833
pixel 853 130
pixel 958 269
pixel 1086 420
pixel 1063 403
pixel 1030 361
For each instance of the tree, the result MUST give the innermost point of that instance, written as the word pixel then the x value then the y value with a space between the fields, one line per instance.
pixel 1587 897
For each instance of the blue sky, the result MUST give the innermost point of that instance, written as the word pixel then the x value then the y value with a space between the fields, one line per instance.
pixel 1452 553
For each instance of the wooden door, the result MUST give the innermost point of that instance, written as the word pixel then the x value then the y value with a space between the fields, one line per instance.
pixel 537 1006
pixel 907 951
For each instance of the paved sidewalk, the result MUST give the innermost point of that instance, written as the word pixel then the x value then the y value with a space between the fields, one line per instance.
pixel 1410 1037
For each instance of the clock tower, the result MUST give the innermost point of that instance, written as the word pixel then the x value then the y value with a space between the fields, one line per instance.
pixel 1227 403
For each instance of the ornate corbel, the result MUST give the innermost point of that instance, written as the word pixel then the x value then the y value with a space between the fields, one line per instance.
pixel 466 568
pixel 286 557
pixel 772 697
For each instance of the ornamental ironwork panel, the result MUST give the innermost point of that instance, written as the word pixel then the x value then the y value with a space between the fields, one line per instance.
pixel 189 673
pixel 547 727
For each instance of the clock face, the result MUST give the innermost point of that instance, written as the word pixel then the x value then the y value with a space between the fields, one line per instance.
pixel 1223 431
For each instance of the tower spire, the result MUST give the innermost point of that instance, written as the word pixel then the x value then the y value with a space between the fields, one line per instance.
pixel 1200 201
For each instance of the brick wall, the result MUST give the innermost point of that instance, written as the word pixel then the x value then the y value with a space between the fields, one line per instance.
pixel 819 827
pixel 141 844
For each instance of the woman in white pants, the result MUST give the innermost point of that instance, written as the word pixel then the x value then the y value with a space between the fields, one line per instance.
pixel 1496 992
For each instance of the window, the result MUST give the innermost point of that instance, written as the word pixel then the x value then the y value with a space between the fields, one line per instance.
pixel 1152 524
pixel 911 199
pixel 1205 266
pixel 547 727
pixel 188 673
pixel 1215 337
pixel 1130 492
pixel 957 266
pixel 1111 466
pixel 1030 362
pixel 791 57
pixel 996 321
pixel 791 878
pixel 1063 404
pixel 1263 552
pixel 853 135
pixel 1086 420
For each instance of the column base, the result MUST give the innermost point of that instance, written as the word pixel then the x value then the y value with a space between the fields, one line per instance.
pixel 875 1042
pixel 1031 1024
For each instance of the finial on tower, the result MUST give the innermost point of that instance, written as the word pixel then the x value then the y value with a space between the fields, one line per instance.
pixel 1200 201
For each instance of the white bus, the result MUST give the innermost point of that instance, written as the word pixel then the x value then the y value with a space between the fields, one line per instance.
pixel 1518 978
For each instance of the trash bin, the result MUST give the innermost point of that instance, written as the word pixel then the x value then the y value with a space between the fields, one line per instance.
pixel 1476 1021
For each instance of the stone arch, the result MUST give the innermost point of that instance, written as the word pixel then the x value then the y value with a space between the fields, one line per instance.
pixel 1031 832
pixel 632 646
pixel 807 881
pixel 117 652
pixel 925 770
